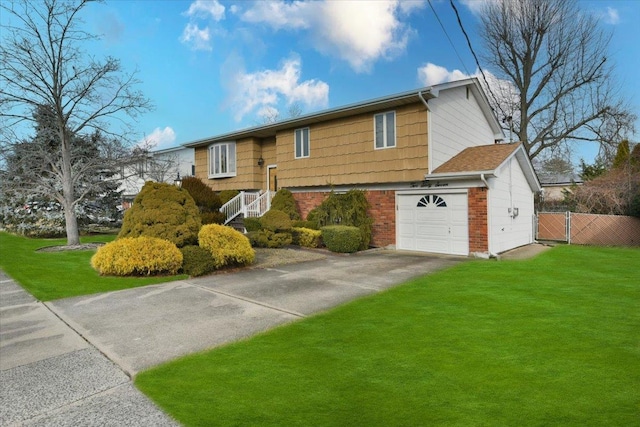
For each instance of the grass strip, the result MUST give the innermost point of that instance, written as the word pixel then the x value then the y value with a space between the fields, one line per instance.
pixel 547 341
pixel 53 275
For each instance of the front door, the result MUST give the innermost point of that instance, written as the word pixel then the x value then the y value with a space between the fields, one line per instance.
pixel 273 178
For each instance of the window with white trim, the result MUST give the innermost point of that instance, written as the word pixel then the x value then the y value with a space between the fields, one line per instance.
pixel 302 143
pixel 222 160
pixel 385 129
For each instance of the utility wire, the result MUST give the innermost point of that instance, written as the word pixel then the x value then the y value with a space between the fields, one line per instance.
pixel 448 38
pixel 475 57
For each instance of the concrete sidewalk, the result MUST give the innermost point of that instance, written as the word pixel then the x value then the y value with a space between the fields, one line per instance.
pixel 49 375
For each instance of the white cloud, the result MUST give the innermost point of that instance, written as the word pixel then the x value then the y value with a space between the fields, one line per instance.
pixel 263 91
pixel 611 16
pixel 501 94
pixel 204 8
pixel 432 74
pixel 195 37
pixel 357 32
pixel 476 6
pixel 192 35
pixel 159 139
pixel 280 15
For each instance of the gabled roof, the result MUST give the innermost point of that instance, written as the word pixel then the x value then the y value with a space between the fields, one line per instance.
pixel 482 158
pixel 387 102
pixel 483 161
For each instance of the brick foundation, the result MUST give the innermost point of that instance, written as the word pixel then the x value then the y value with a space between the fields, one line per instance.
pixel 478 224
pixel 382 210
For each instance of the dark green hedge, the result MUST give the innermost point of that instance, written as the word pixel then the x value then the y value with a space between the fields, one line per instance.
pixel 342 238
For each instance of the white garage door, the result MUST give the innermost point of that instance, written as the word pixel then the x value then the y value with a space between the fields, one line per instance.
pixel 433 222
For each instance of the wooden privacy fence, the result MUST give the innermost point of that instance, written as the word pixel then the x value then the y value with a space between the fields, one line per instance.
pixel 588 229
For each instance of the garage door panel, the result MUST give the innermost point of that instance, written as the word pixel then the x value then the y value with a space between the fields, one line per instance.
pixel 433 223
pixel 426 231
pixel 431 215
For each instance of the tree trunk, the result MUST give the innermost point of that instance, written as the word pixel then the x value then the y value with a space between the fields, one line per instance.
pixel 68 205
pixel 71 225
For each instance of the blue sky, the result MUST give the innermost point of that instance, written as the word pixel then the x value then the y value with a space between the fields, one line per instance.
pixel 212 67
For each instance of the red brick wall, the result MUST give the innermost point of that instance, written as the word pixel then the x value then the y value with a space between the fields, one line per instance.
pixel 308 201
pixel 382 210
pixel 478 224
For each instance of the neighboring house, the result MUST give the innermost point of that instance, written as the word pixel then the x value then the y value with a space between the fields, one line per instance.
pixel 399 149
pixel 554 186
pixel 161 166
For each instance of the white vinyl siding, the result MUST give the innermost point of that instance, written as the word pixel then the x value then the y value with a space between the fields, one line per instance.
pixel 508 192
pixel 302 143
pixel 456 122
pixel 385 129
pixel 222 160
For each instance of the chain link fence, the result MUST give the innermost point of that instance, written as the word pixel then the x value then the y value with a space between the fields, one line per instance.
pixel 588 229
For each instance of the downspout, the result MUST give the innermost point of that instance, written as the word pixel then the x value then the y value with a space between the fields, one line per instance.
pixel 429 145
pixel 483 179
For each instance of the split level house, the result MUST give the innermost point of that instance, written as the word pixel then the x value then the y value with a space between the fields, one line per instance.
pixel 432 163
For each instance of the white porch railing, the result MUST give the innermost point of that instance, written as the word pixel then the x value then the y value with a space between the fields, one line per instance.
pixel 249 204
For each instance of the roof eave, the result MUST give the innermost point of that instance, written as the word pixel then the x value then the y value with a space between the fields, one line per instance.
pixel 456 176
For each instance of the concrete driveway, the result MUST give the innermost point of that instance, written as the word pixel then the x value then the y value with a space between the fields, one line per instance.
pixel 143 327
pixel 69 362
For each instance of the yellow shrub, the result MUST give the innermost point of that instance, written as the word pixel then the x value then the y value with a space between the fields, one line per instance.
pixel 306 237
pixel 227 246
pixel 137 256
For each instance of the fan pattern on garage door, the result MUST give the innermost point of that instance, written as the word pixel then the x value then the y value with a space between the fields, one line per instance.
pixel 432 199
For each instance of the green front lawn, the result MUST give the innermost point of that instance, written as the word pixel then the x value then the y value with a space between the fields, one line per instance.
pixel 53 275
pixel 548 341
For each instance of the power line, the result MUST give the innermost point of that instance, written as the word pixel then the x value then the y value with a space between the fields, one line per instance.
pixel 475 57
pixel 448 38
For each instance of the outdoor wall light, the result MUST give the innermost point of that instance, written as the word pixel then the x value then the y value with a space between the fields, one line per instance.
pixel 260 161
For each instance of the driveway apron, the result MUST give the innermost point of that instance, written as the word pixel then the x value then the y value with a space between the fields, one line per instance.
pixel 53 369
pixel 143 327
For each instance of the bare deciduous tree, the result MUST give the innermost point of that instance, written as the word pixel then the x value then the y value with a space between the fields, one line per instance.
pixel 556 56
pixel 43 63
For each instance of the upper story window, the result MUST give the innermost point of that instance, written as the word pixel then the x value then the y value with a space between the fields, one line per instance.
pixel 302 143
pixel 385 129
pixel 222 160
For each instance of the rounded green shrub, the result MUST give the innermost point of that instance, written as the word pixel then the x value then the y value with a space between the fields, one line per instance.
pixel 306 237
pixel 275 220
pixel 164 211
pixel 284 201
pixel 269 239
pixel 251 224
pixel 205 198
pixel 342 238
pixel 227 246
pixel 137 256
pixel 196 261
pixel 212 217
pixel 207 201
pixel 313 225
